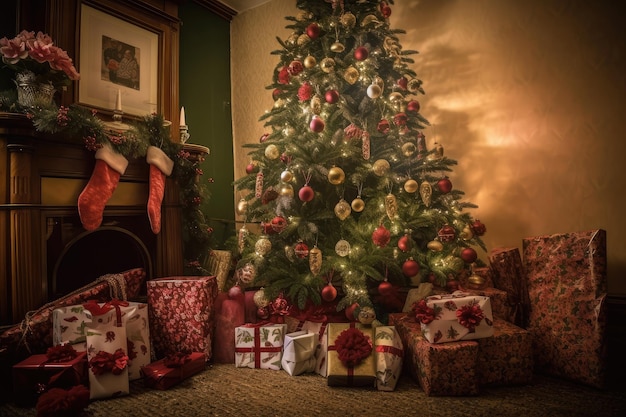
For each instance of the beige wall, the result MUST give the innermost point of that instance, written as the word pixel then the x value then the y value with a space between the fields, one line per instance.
pixel 528 96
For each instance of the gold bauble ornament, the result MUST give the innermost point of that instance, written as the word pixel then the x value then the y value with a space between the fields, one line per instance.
pixel 348 20
pixel 259 298
pixel 411 186
pixel 336 176
pixel 286 176
pixel 242 207
pixel 435 246
pixel 366 315
pixel 310 61
pixel 351 75
pixel 395 97
pixel 381 167
pixel 337 47
pixel 315 260
pixel 272 152
pixel 342 248
pixel 466 233
pixel 358 204
pixel 476 282
pixel 379 82
pixel 263 246
pixel 286 190
pixel 342 209
pixel 370 19
pixel 327 65
pixel 408 149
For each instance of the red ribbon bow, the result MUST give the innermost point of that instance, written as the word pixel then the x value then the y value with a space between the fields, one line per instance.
pixel 105 362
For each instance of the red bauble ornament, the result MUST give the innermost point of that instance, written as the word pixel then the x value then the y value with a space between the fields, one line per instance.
pixel 332 96
pixel 444 185
pixel 361 53
pixel 381 236
pixel 264 137
pixel 478 228
pixel 235 291
pixel 410 268
pixel 413 106
pixel 317 124
pixel 385 288
pixel 385 10
pixel 350 310
pixel 402 83
pixel 251 168
pixel 404 243
pixel 469 255
pixel 383 126
pixel 446 234
pixel 313 30
pixel 295 67
pixel 267 228
pixel 306 193
pixel 301 250
pixel 279 224
pixel 263 313
pixel 329 292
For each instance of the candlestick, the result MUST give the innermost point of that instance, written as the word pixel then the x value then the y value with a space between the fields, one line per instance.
pixel 118 101
pixel 182 117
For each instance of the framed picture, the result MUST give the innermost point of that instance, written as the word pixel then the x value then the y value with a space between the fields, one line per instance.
pixel 118 63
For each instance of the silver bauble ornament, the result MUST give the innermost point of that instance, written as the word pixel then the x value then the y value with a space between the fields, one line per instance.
pixel 342 247
pixel 374 91
pixel 242 207
pixel 263 246
pixel 286 176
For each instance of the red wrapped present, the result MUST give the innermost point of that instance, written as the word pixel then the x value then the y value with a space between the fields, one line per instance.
pixel 259 345
pixel 500 306
pixel 229 314
pixel 34 334
pixel 567 284
pixel 445 369
pixel 60 367
pixel 506 358
pixel 351 359
pixel 509 276
pixel 169 371
pixel 181 314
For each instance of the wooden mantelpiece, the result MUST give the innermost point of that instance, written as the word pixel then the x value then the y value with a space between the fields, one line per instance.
pixel 41 177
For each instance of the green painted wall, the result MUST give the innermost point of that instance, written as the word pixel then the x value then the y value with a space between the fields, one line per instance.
pixel 205 94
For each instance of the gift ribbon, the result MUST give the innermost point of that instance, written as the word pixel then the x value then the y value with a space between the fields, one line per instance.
pixel 257 349
pixel 97 310
pixel 389 349
pixel 349 369
pixel 158 371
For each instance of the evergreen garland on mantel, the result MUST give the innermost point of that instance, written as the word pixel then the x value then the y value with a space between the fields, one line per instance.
pixel 77 123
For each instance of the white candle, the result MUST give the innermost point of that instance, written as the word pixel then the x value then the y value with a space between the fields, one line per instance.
pixel 118 101
pixel 182 116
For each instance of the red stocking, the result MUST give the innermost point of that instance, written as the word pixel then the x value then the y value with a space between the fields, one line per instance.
pixel 160 167
pixel 110 165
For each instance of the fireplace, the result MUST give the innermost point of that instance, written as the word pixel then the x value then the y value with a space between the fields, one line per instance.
pixel 45 252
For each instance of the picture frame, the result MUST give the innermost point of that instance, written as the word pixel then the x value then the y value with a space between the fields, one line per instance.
pixel 128 82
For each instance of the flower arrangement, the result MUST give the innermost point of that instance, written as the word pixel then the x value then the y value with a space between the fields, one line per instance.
pixel 38 59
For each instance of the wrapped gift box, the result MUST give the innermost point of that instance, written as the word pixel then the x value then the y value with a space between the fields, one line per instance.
pixel 389 357
pixel 499 300
pixel 338 374
pixel 506 358
pixel 70 324
pixel 181 314
pixel 167 372
pixel 299 352
pixel 259 345
pixel 567 286
pixel 444 369
pixel 229 314
pixel 107 356
pixel 34 334
pixel 457 316
pixel 509 276
pixel 37 373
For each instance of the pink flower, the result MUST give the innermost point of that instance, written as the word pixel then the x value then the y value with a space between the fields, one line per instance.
pixel 13 50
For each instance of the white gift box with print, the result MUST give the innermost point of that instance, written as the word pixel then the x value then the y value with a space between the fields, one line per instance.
pixel 107 336
pixel 70 323
pixel 259 345
pixel 451 313
pixel 299 352
pixel 321 347
pixel 389 357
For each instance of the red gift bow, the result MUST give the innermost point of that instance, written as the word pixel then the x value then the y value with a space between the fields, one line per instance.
pixel 60 402
pixel 257 349
pixel 390 349
pixel 60 353
pixel 96 310
pixel 350 369
pixel 470 316
pixel 105 362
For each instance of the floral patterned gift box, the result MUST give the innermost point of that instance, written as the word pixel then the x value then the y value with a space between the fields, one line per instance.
pixel 567 284
pixel 181 315
pixel 259 345
pixel 509 276
pixel 453 317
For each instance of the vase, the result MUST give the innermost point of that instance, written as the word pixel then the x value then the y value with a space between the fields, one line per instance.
pixel 31 92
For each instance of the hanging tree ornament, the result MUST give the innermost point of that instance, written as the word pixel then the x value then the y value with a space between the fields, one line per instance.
pixel 286 176
pixel 348 20
pixel 316 104
pixel 342 209
pixel 246 274
pixel 410 268
pixel 374 91
pixel 327 65
pixel 337 47
pixel 466 233
pixel 336 176
pixel 272 152
pixel 444 185
pixel 258 188
pixel 263 246
pixel 446 234
pixel 310 61
pixel 286 190
pixel 241 238
pixel 381 236
pixel 315 260
pixel 435 246
pixel 391 206
pixel 381 167
pixel 329 292
pixel 351 75
pixel 301 250
pixel 408 149
pixel 317 124
pixel 306 193
pixel 259 298
pixel 342 248
pixel 411 186
pixel 331 96
pixel 242 207
pixel 426 192
pixel 365 145
pixel 358 205
pixel 279 223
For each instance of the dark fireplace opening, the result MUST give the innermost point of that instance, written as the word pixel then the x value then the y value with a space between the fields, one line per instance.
pixel 77 257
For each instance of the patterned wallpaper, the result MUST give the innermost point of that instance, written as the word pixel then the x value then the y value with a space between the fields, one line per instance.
pixel 526 96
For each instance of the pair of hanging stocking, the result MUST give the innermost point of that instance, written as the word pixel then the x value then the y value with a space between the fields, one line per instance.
pixel 110 166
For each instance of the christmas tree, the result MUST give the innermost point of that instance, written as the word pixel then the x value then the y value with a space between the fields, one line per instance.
pixel 351 202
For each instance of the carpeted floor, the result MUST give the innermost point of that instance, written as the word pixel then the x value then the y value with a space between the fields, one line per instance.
pixel 223 390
